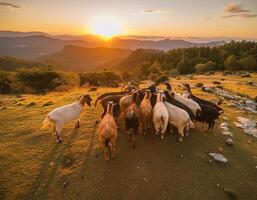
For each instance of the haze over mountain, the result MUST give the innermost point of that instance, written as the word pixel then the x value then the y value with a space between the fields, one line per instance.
pixel 77 58
pixel 31 45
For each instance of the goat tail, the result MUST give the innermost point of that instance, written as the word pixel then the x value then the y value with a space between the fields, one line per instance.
pixel 190 123
pixel 108 145
pixel 198 113
pixel 46 122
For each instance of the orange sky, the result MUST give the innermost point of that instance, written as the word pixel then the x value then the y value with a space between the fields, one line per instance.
pixel 174 18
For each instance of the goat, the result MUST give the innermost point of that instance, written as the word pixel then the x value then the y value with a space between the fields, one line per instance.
pixel 107 132
pixel 208 115
pixel 133 119
pixel 201 101
pixel 192 105
pixel 59 116
pixel 160 116
pixel 180 119
pixel 171 100
pixel 130 86
pixel 110 94
pixel 146 111
pixel 115 98
pixel 127 100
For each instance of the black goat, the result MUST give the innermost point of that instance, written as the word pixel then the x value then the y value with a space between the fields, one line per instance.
pixel 201 101
pixel 208 115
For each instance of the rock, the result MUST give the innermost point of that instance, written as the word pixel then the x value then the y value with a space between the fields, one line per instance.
pixel 145 179
pixel 199 85
pixel 18 96
pixel 225 118
pixel 92 89
pixel 218 185
pixel 181 155
pixel 248 126
pixel 51 164
pixel 218 157
pixel 49 103
pixel 220 149
pixel 31 104
pixel 65 184
pixel 210 161
pixel 229 141
pixel 216 82
pixel 249 82
pixel 230 192
pixel 227 133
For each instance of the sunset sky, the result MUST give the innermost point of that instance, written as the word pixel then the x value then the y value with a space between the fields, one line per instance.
pixel 175 18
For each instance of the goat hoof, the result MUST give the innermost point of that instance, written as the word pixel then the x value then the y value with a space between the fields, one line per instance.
pixel 156 133
pixel 180 139
pixel 162 137
pixel 59 140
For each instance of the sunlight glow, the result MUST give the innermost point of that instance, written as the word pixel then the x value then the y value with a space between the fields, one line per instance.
pixel 106 26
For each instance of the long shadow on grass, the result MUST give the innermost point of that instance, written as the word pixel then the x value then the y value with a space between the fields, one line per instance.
pixel 43 176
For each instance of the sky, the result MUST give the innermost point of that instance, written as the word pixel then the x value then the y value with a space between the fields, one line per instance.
pixel 169 18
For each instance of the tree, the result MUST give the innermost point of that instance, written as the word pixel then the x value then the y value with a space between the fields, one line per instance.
pixel 248 63
pixel 203 67
pixel 5 82
pixel 232 63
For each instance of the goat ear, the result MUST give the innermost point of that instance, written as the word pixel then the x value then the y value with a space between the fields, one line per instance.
pixel 80 97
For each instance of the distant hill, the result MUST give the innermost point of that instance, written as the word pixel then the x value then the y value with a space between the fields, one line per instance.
pixel 83 59
pixel 32 47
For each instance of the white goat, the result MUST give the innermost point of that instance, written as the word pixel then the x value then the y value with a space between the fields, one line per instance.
pixel 180 119
pixel 196 109
pixel 60 116
pixel 160 116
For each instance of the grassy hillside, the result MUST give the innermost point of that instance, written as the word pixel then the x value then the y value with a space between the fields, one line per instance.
pixel 34 166
pixel 82 59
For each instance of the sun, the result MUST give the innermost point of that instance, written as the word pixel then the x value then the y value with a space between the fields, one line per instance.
pixel 106 26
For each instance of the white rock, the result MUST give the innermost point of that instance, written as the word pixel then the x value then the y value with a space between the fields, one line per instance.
pixel 248 126
pixel 227 133
pixel 218 157
pixel 229 141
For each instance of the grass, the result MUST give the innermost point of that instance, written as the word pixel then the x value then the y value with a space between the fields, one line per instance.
pixel 34 166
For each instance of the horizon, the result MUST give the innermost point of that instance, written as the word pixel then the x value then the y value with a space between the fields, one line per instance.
pixel 176 19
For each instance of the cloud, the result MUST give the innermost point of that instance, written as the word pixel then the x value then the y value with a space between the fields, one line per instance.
pixel 155 11
pixel 10 5
pixel 242 15
pixel 207 18
pixel 237 10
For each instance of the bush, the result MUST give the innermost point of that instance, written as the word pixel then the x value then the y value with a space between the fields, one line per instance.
pixel 199 85
pixel 5 82
pixel 208 66
pixel 99 78
pixel 216 82
pixel 161 79
pixel 40 80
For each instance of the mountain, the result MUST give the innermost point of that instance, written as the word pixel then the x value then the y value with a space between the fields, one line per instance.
pixel 164 45
pixel 81 59
pixel 32 47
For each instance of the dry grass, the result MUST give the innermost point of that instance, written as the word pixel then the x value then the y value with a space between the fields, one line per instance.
pixel 34 166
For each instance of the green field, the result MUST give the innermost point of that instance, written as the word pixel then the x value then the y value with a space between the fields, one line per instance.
pixel 34 166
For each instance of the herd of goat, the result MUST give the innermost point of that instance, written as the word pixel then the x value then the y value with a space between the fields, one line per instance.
pixel 141 110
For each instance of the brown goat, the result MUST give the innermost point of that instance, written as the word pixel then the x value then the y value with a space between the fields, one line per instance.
pixel 107 133
pixel 146 111
pixel 133 119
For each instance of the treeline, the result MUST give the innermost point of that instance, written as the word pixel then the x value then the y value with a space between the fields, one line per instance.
pixel 231 56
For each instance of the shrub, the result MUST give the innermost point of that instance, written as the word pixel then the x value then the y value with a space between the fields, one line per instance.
pixel 216 82
pixel 208 66
pixel 39 80
pixel 5 82
pixel 161 79
pixel 99 78
pixel 199 85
